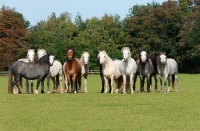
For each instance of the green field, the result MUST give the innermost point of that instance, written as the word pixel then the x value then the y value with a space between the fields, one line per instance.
pixel 96 111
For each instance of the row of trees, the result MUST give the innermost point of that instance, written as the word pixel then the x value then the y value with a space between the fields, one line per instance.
pixel 172 27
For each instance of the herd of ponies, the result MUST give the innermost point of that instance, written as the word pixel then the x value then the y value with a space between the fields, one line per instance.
pixel 122 72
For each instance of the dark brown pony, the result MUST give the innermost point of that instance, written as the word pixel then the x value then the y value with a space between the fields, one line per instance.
pixel 72 71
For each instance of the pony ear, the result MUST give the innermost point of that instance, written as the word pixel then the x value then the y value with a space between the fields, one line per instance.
pixel 122 49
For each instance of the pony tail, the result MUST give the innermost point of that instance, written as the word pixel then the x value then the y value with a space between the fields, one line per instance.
pixel 173 81
pixel 10 84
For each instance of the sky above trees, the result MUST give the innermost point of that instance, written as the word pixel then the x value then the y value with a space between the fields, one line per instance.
pixel 37 10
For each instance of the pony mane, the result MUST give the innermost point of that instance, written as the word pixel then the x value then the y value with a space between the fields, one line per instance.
pixel 107 57
pixel 44 59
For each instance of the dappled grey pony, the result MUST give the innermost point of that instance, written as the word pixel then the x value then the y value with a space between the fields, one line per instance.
pixel 144 69
pixel 167 67
pixel 30 71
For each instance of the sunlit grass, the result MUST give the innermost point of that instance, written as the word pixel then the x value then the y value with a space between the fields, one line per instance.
pixel 97 111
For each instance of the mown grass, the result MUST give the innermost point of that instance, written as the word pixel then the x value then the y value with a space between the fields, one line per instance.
pixel 97 111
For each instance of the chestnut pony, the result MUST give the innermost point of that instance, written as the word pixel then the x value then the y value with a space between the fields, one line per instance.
pixel 72 71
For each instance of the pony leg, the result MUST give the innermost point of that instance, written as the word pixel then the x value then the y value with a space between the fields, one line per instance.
pixel 148 83
pixel 85 84
pixel 38 83
pixel 15 82
pixel 176 82
pixel 75 84
pixel 27 86
pixel 109 83
pixel 54 84
pixel 32 86
pixel 102 83
pixel 60 80
pixel 168 90
pixel 67 80
pixel 141 84
pixel 165 82
pixel 112 80
pixel 156 81
pixel 48 83
pixel 106 84
pixel 20 83
pixel 117 85
pixel 131 83
pixel 160 82
pixel 124 80
pixel 135 79
pixel 42 86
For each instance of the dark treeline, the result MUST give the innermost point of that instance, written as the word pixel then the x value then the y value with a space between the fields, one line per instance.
pixel 173 27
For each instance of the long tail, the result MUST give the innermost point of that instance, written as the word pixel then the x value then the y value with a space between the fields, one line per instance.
pixel 10 84
pixel 173 81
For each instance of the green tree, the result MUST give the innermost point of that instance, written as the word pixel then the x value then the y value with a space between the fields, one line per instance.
pixel 54 34
pixel 193 42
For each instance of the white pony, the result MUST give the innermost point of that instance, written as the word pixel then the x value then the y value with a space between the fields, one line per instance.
pixel 84 72
pixel 41 53
pixel 84 63
pixel 55 72
pixel 167 67
pixel 30 58
pixel 110 69
pixel 128 68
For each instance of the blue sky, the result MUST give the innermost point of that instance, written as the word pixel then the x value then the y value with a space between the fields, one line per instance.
pixel 36 10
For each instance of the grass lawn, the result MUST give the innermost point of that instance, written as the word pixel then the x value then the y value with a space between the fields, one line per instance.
pixel 96 111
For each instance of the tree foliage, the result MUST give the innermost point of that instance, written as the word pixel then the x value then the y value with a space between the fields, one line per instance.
pixel 172 26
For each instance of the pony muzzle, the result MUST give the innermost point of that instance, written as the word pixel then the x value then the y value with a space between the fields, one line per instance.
pixel 69 57
pixel 143 60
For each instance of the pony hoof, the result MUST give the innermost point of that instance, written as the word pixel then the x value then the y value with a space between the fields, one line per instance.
pixel 176 90
pixel 48 92
pixel 42 92
pixel 124 92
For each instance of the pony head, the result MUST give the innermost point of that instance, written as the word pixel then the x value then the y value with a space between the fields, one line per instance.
pixel 126 53
pixel 85 57
pixel 102 56
pixel 41 53
pixel 51 59
pixel 31 55
pixel 163 58
pixel 70 53
pixel 143 56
